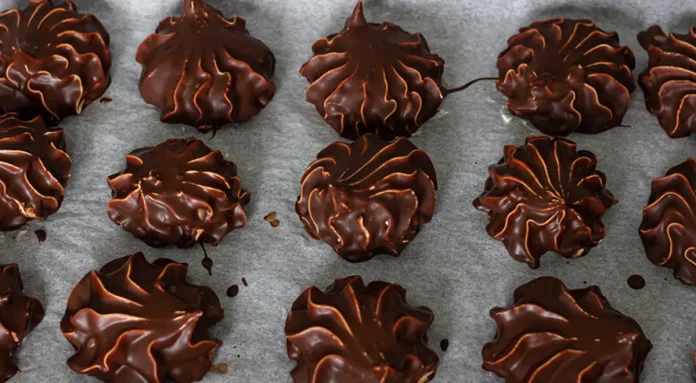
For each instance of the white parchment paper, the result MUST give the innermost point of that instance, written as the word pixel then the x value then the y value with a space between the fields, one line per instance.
pixel 452 266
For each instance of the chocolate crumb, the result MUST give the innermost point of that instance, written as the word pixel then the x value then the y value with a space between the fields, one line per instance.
pixel 232 291
pixel 444 344
pixel 105 100
pixel 219 369
pixel 636 282
pixel 40 235
pixel 244 282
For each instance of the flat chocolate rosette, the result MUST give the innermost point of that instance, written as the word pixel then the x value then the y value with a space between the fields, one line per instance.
pixel 178 193
pixel 668 229
pixel 546 196
pixel 556 335
pixel 205 70
pixel 374 78
pixel 567 76
pixel 669 82
pixel 357 333
pixel 54 61
pixel 34 170
pixel 369 197
pixel 133 321
pixel 19 315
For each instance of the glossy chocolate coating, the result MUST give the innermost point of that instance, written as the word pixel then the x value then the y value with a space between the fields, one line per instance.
pixel 34 170
pixel 19 314
pixel 357 333
pixel 567 76
pixel 54 61
pixel 670 79
pixel 369 197
pixel 546 196
pixel 556 335
pixel 205 70
pixel 668 229
pixel 133 321
pixel 178 193
pixel 374 78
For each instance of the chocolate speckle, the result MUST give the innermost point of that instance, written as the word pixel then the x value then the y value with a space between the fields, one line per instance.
pixel 444 344
pixel 105 100
pixel 206 262
pixel 244 282
pixel 232 291
pixel 40 235
pixel 636 282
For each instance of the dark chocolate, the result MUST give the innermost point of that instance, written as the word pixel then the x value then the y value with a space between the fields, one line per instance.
pixel 444 344
pixel 357 333
pixel 670 79
pixel 40 235
pixel 19 315
pixel 369 197
pixel 555 335
pixel 668 229
pixel 34 170
pixel 374 78
pixel 567 76
pixel 178 193
pixel 546 196
pixel 205 70
pixel 54 61
pixel 135 321
pixel 636 282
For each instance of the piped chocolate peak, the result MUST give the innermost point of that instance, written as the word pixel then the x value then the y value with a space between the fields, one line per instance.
pixel 205 70
pixel 374 78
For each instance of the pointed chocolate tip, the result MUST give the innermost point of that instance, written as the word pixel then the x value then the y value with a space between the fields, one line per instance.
pixel 357 18
pixel 191 7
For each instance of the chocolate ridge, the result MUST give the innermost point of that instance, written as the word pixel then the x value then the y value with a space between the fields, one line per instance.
pixel 54 61
pixel 357 333
pixel 553 334
pixel 567 76
pixel 374 78
pixel 217 74
pixel 670 79
pixel 19 315
pixel 180 193
pixel 369 197
pixel 34 171
pixel 668 228
pixel 546 196
pixel 139 321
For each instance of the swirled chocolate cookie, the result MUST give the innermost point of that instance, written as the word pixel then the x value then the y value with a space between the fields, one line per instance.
pixel 178 193
pixel 369 197
pixel 546 196
pixel 135 321
pixel 669 82
pixel 554 335
pixel 567 76
pixel 205 70
pixel 374 78
pixel 19 315
pixel 34 170
pixel 54 61
pixel 668 229
pixel 357 333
